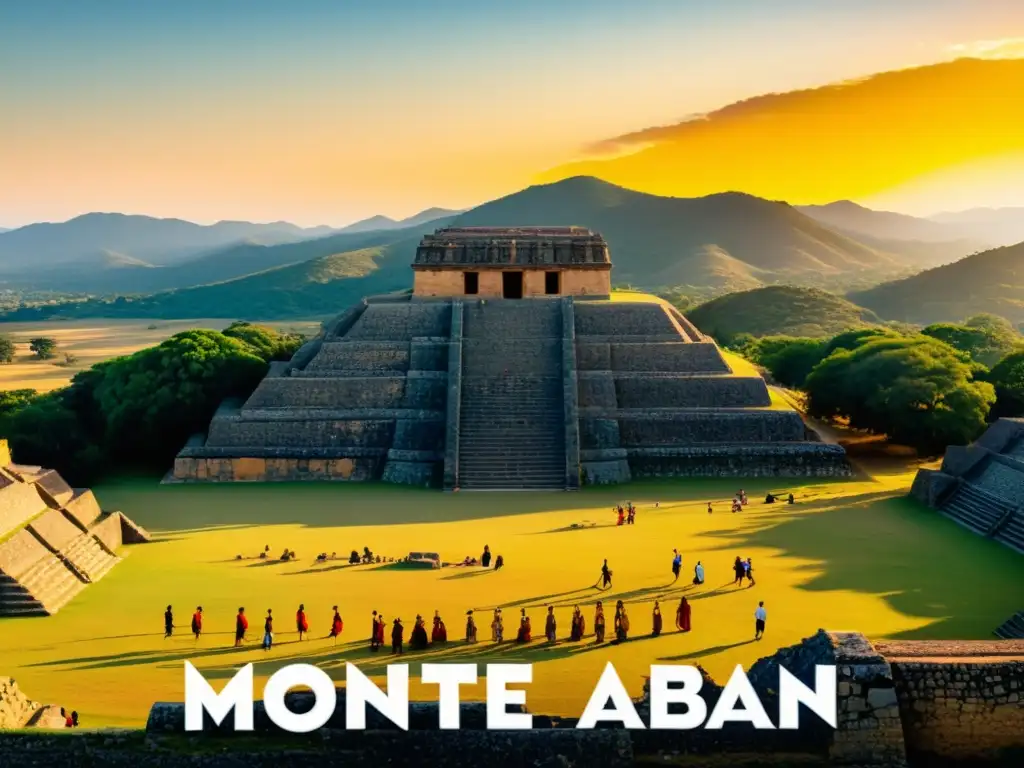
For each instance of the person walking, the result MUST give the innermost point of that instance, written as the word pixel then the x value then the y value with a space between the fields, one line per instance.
pixel 760 616
pixel 268 631
pixel 168 622
pixel 197 622
pixel 677 564
pixel 301 622
pixel 241 626
pixel 606 575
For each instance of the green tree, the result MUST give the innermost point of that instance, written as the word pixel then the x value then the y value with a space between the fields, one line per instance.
pixel 1008 379
pixel 44 431
pixel 12 400
pixel 789 360
pixel 916 390
pixel 853 339
pixel 146 405
pixel 44 347
pixel 7 349
pixel 268 343
pixel 987 343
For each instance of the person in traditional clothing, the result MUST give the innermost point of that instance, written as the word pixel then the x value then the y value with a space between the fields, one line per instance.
pixel 656 620
pixel 268 631
pixel 606 575
pixel 168 622
pixel 525 633
pixel 418 638
pixel 485 558
pixel 577 630
pixel 550 625
pixel 396 636
pixel 301 622
pixel 497 627
pixel 621 622
pixel 197 622
pixel 631 515
pixel 374 632
pixel 790 499
pixel 470 628
pixel 677 564
pixel 439 633
pixel 769 498
pixel 381 627
pixel 499 561
pixel 739 571
pixel 698 573
pixel 74 719
pixel 241 626
pixel 760 616
pixel 748 569
pixel 683 615
pixel 709 507
pixel 336 624
pixel 743 497
pixel 599 623
pixel 622 516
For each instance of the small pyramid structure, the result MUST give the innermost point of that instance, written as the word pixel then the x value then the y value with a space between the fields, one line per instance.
pixel 54 539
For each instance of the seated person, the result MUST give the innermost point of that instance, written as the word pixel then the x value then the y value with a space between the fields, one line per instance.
pixel 499 561
pixel 769 499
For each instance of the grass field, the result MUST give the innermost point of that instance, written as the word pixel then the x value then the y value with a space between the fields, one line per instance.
pixel 91 342
pixel 850 555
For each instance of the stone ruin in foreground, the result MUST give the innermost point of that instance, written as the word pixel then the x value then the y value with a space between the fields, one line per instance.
pixel 507 367
pixel 981 487
pixel 54 539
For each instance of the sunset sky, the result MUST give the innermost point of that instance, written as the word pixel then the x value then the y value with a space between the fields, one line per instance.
pixel 326 112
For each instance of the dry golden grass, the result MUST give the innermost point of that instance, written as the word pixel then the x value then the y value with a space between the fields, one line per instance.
pixel 91 342
pixel 850 555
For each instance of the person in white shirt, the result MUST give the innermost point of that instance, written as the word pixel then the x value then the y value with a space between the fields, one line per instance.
pixel 698 573
pixel 759 619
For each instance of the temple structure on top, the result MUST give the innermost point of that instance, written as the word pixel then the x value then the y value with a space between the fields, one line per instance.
pixel 507 367
pixel 512 262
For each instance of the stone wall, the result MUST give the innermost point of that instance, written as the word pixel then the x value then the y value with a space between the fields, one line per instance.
pixel 19 503
pixel 361 356
pixel 624 319
pixel 258 469
pixel 307 392
pixel 454 394
pixel 651 429
pixel 239 433
pixel 55 529
pixel 84 508
pixel 451 282
pixel 401 322
pixel 108 530
pixel 1001 477
pixel 20 552
pixel 782 460
pixel 959 700
pixel 669 357
pixel 691 392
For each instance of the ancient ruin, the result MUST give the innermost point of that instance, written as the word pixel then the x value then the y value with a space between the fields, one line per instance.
pixel 54 539
pixel 981 486
pixel 471 392
pixel 512 262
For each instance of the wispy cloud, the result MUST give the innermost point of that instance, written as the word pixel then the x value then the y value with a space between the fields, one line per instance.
pixel 1006 48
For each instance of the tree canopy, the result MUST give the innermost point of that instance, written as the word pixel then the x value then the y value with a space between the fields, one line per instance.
pixel 7 349
pixel 44 347
pixel 1008 379
pixel 914 389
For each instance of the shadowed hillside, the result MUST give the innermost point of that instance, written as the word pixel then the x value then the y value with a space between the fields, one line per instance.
pixel 992 281
pixel 780 310
pixel 724 240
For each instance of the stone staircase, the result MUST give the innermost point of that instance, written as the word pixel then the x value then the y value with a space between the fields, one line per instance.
pixel 975 509
pixel 1011 532
pixel 46 587
pixel 1012 628
pixel 89 557
pixel 511 424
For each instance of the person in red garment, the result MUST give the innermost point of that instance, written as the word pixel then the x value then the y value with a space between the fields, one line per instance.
pixel 336 625
pixel 439 632
pixel 683 615
pixel 241 626
pixel 197 622
pixel 656 620
pixel 525 633
pixel 301 622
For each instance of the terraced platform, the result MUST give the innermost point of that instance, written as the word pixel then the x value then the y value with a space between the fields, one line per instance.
pixel 54 540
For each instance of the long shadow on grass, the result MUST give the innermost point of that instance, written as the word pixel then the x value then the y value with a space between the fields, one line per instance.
pixel 923 565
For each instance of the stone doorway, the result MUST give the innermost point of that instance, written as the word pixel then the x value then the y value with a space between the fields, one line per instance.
pixel 512 285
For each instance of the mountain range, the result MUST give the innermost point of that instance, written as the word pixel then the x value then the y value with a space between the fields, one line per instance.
pixel 992 281
pixel 708 246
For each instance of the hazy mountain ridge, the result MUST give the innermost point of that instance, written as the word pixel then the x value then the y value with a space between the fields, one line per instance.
pixel 992 281
pixel 380 222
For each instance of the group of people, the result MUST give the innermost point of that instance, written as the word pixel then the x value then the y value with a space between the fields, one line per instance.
pixel 743 570
pixel 70 718
pixel 771 498
pixel 484 561
pixel 627 515
pixel 677 566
